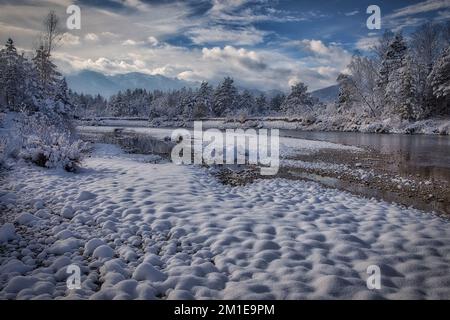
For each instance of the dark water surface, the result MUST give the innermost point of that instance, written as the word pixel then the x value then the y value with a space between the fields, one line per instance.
pixel 428 155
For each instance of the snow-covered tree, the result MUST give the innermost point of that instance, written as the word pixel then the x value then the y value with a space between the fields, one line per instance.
pixel 18 89
pixel 439 82
pixel 395 79
pixel 381 47
pixel 261 105
pixel 364 82
pixel 276 102
pixel 299 101
pixel 403 91
pixel 224 98
pixel 393 59
pixel 117 105
pixel 347 93
pixel 245 103
pixel 203 101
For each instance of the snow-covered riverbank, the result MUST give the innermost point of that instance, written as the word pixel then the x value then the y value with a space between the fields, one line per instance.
pixel 436 126
pixel 146 230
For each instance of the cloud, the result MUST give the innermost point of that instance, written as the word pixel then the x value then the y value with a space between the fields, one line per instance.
pixel 130 42
pixel 91 37
pixel 366 43
pixel 241 57
pixel 422 7
pixel 322 51
pixel 221 34
pixel 351 13
pixel 316 46
pixel 69 39
pixel 245 12
pixel 191 40
pixel 408 16
pixel 153 41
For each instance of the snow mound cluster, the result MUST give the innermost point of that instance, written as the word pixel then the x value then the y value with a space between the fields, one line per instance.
pixel 160 231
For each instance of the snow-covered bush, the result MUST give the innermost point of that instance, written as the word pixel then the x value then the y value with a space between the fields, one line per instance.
pixel 45 139
pixel 56 150
pixel 48 141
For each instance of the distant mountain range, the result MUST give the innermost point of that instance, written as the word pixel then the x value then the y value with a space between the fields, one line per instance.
pixel 326 95
pixel 92 82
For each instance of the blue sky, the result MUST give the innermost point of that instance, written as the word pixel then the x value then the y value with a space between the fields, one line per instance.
pixel 262 44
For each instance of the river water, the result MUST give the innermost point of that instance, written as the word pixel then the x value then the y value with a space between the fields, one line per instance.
pixel 427 155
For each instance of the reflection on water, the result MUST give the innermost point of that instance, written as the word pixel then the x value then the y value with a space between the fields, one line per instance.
pixel 427 155
pixel 131 142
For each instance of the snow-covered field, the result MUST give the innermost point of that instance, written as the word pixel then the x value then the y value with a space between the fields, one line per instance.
pixel 142 230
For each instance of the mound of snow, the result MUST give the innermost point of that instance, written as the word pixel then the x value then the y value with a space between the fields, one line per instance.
pixel 15 266
pixel 66 245
pixel 86 195
pixel 91 245
pixel 26 219
pixel 67 212
pixel 7 232
pixel 145 271
pixel 103 252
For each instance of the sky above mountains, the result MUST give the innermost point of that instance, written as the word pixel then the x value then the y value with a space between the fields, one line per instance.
pixel 261 44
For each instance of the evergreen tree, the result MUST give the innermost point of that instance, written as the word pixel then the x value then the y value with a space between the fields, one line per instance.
pixel 393 59
pixel 245 103
pixel 18 80
pixel 48 75
pixel 405 98
pixel 396 80
pixel 203 101
pixel 117 105
pixel 261 105
pixel 299 101
pixel 224 98
pixel 276 102
pixel 439 82
pixel 347 94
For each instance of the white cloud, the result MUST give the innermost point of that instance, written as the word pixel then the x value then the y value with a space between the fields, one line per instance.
pixel 422 7
pixel 219 34
pixel 332 51
pixel 351 13
pixel 69 39
pixel 316 46
pixel 91 37
pixel 229 24
pixel 130 42
pixel 407 16
pixel 366 43
pixel 153 41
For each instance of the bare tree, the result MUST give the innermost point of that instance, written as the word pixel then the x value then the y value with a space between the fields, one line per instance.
pixel 52 33
pixel 364 81
pixel 426 45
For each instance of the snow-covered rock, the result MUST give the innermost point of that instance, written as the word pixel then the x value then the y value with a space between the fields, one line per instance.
pixel 26 219
pixel 145 271
pixel 178 233
pixel 65 234
pixel 19 283
pixel 43 214
pixel 39 204
pixel 66 245
pixel 7 232
pixel 67 212
pixel 103 252
pixel 91 245
pixel 86 195
pixel 14 266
